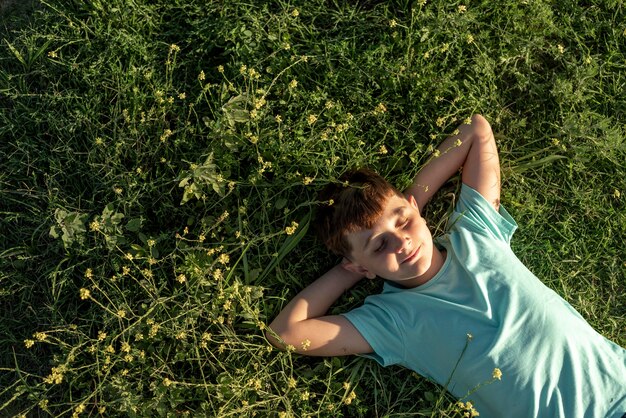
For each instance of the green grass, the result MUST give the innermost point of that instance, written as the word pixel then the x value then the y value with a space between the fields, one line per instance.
pixel 136 170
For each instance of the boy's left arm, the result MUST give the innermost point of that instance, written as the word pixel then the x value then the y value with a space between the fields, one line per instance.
pixel 474 150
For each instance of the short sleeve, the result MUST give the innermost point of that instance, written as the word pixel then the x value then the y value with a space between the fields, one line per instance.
pixel 475 213
pixel 380 329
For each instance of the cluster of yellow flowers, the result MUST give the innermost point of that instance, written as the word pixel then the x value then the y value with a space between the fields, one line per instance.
pixel 292 228
pixel 56 375
pixel 468 409
pixel 166 134
pixel 351 397
pixel 305 344
pixel 78 410
pixel 84 293
pixel 380 109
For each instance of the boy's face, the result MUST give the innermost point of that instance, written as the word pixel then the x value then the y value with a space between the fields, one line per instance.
pixel 399 246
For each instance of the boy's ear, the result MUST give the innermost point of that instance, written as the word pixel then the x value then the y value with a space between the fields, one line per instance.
pixel 412 201
pixel 356 268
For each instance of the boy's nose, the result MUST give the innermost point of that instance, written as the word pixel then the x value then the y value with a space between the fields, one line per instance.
pixel 402 244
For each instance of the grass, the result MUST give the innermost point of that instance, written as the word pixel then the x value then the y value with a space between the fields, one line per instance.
pixel 160 162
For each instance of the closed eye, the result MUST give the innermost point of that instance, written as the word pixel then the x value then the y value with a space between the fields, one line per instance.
pixel 383 244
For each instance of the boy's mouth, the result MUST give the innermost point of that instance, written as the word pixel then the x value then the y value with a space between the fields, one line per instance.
pixel 412 256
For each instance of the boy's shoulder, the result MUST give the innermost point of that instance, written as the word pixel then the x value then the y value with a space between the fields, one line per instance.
pixel 474 213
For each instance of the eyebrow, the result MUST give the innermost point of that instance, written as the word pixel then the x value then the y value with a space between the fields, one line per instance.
pixel 397 211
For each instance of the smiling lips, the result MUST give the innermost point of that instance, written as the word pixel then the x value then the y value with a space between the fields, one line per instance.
pixel 413 255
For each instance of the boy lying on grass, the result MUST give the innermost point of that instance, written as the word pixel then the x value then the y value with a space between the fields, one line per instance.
pixel 462 310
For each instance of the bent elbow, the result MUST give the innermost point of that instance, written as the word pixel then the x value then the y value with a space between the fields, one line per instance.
pixel 481 127
pixel 271 335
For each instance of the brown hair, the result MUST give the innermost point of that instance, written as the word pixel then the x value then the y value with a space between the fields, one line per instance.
pixel 355 202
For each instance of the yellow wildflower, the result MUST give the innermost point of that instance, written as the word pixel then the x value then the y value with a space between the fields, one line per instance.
pixel 305 344
pixel 497 374
pixel 292 228
pixel 295 13
pixel 94 225
pixel 29 343
pixel 350 398
pixel 101 335
pixel 84 293
pixel 56 376
pixel 253 73
pixel 40 336
pixel 462 8
pixel 181 278
pixel 227 305
pixel 393 23
pixel 223 258
pixel 312 119
pixel 293 84
pixel 383 149
pixel 260 103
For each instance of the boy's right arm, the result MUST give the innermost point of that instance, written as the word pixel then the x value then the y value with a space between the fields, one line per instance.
pixel 304 325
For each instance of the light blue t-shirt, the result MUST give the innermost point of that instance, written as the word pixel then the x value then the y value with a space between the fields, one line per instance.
pixel 553 363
